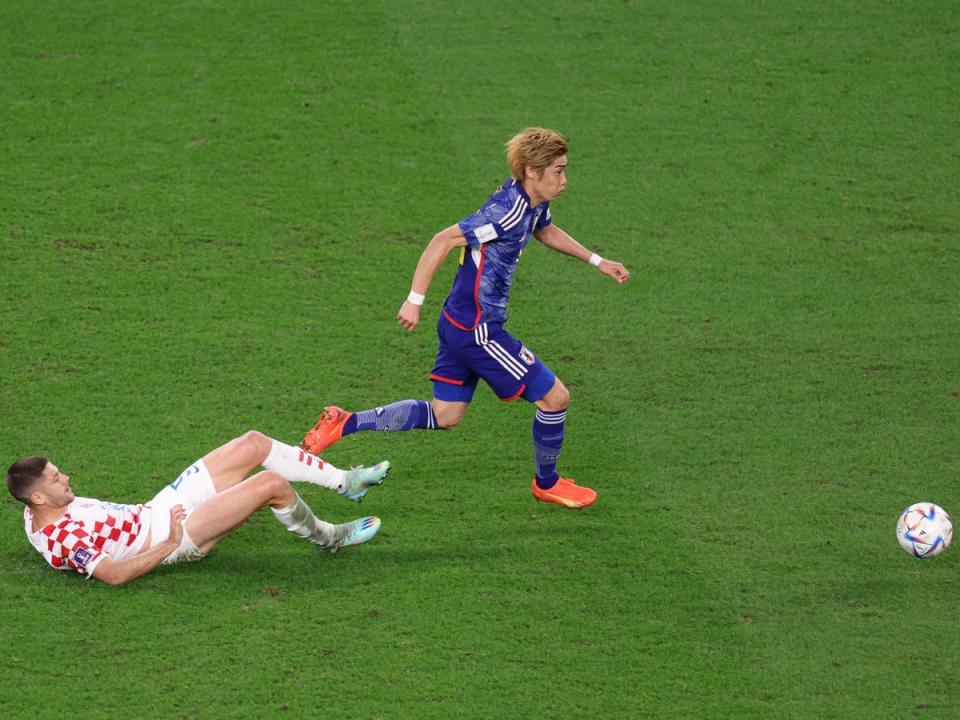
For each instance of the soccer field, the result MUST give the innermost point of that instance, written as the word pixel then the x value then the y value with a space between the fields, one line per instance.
pixel 210 213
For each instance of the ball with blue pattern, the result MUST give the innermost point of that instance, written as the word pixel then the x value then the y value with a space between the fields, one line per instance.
pixel 924 530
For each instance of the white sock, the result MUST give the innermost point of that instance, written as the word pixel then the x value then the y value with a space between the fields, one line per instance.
pixel 299 519
pixel 296 465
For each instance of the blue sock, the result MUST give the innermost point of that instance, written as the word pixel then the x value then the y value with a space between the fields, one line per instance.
pixel 547 441
pixel 395 417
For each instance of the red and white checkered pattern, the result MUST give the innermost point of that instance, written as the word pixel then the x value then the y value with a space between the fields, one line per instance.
pixel 89 531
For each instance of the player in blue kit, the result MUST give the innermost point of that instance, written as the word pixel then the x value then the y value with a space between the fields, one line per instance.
pixel 473 343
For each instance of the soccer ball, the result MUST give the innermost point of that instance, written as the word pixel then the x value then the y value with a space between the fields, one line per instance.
pixel 924 530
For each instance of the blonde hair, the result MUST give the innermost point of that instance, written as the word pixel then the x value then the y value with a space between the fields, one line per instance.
pixel 534 147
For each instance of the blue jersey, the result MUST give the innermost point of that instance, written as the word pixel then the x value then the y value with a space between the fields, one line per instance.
pixel 496 236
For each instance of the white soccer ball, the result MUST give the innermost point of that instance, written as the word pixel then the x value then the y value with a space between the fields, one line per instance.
pixel 924 530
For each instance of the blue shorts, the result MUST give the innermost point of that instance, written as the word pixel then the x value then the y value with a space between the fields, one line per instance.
pixel 491 353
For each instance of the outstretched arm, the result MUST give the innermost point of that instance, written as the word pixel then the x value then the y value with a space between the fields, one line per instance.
pixel 118 572
pixel 557 239
pixel 430 261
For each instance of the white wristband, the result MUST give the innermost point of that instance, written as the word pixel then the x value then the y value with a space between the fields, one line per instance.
pixel 595 259
pixel 415 298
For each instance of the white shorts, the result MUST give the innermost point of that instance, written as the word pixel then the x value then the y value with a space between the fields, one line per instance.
pixel 190 489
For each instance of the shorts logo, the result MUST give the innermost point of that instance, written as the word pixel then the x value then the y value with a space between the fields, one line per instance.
pixel 526 355
pixel 378 411
pixel 184 475
pixel 81 556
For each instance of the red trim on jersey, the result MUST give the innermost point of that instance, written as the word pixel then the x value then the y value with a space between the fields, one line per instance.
pixel 519 393
pixel 476 296
pixel 476 285
pixel 455 323
pixel 446 380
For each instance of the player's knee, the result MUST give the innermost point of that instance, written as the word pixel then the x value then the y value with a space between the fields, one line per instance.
pixel 557 399
pixel 256 442
pixel 275 488
pixel 448 422
pixel 448 418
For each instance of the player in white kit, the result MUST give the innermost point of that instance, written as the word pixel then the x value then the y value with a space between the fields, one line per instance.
pixel 117 543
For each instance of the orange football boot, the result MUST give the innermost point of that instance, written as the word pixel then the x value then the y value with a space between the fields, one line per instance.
pixel 567 493
pixel 327 431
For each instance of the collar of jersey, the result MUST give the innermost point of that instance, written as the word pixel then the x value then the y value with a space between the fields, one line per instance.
pixel 523 193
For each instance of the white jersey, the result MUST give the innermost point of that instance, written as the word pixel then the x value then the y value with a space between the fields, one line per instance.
pixel 90 531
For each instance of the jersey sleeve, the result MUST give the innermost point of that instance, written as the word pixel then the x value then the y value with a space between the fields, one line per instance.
pixel 481 227
pixel 545 219
pixel 69 547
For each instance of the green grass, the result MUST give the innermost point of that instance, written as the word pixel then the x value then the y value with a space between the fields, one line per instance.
pixel 210 213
